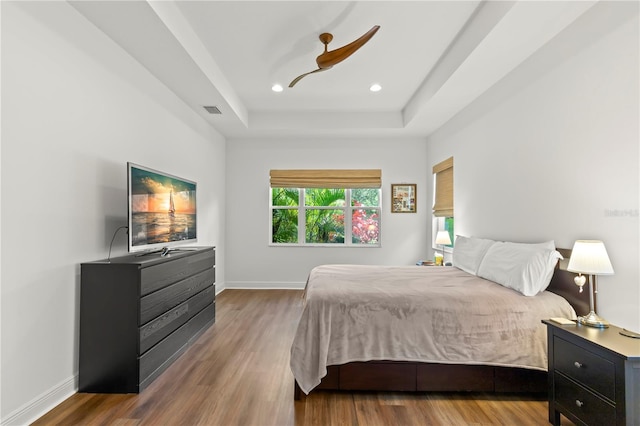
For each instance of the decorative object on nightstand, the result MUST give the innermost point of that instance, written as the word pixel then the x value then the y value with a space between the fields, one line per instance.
pixel 590 257
pixel 443 238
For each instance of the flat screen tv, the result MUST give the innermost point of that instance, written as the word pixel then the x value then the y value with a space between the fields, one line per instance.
pixel 162 210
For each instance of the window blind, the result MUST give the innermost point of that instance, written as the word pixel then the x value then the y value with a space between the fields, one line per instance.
pixel 326 178
pixel 443 171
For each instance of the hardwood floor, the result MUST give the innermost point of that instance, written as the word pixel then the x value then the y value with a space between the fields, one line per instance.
pixel 238 374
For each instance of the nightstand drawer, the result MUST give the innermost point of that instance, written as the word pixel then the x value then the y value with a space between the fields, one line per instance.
pixel 582 403
pixel 585 367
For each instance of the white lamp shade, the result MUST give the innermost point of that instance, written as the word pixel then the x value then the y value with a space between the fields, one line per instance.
pixel 590 257
pixel 442 237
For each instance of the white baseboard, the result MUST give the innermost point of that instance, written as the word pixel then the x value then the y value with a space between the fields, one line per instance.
pixel 42 404
pixel 264 285
pixel 45 402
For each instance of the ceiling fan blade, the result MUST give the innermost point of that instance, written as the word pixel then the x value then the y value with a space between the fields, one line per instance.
pixel 333 57
pixel 328 59
pixel 298 78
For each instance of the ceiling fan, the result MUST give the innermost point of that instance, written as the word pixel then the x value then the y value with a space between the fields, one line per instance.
pixel 328 59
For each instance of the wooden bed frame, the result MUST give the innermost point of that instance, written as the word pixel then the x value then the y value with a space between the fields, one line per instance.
pixel 434 377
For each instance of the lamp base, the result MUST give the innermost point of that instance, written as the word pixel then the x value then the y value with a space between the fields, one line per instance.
pixel 593 320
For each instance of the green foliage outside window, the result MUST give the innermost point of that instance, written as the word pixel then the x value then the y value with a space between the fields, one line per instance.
pixel 284 221
pixel 367 197
pixel 285 197
pixel 448 226
pixel 324 226
pixel 324 215
pixel 365 222
pixel 285 226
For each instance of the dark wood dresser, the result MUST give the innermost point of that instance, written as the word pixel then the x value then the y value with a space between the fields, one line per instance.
pixel 138 313
pixel 594 375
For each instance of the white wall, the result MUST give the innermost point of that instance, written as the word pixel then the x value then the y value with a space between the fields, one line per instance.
pixel 252 263
pixel 552 150
pixel 75 109
pixel 559 138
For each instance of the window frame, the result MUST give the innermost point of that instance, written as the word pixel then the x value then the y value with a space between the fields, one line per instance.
pixel 348 209
pixel 443 202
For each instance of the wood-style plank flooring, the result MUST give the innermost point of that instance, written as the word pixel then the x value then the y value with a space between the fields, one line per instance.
pixel 238 373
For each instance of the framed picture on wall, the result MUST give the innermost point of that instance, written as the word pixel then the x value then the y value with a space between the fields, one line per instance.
pixel 403 198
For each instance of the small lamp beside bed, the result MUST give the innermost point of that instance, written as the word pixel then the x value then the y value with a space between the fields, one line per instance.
pixel 443 239
pixel 590 257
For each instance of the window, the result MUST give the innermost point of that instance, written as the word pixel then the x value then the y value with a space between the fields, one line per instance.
pixel 443 224
pixel 322 213
pixel 443 199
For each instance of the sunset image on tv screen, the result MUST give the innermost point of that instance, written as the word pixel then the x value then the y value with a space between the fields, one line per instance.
pixel 163 207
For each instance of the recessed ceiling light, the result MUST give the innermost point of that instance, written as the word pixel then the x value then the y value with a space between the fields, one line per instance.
pixel 375 87
pixel 276 88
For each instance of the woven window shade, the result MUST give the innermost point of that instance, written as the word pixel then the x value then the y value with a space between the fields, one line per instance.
pixel 325 178
pixel 443 206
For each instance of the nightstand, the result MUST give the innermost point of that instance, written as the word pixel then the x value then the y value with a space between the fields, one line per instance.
pixel 594 375
pixel 431 263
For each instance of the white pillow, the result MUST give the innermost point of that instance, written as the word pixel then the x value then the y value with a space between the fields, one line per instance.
pixel 526 268
pixel 551 245
pixel 469 251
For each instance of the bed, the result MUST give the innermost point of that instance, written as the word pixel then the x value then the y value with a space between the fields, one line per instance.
pixel 473 334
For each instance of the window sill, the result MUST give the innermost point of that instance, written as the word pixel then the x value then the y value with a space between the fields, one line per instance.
pixel 446 249
pixel 328 245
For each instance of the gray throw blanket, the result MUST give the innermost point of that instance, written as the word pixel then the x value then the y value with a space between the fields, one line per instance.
pixel 416 313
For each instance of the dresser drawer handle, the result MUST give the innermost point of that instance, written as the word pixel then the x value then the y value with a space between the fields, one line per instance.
pixel 577 364
pixel 579 403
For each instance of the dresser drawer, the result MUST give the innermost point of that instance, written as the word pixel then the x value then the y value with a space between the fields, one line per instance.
pixel 156 277
pixel 161 301
pixel 585 367
pixel 165 324
pixel 158 358
pixel 582 403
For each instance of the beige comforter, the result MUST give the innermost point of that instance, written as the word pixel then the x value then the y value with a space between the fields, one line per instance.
pixel 414 313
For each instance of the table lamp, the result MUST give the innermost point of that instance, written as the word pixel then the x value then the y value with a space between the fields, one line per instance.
pixel 590 257
pixel 442 238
